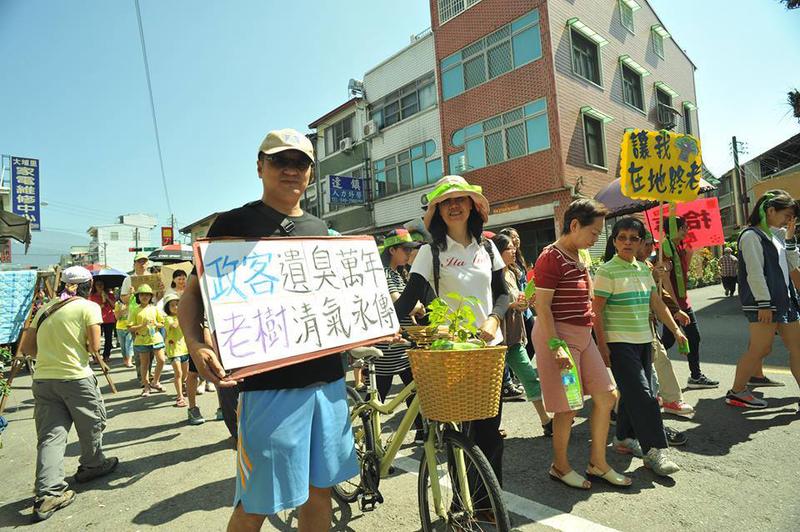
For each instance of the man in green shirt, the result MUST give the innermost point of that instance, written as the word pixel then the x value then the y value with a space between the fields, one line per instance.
pixel 62 336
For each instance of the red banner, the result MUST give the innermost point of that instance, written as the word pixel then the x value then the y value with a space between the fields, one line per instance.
pixel 166 236
pixel 5 250
pixel 702 218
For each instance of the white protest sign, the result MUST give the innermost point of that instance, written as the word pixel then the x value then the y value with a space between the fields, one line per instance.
pixel 278 301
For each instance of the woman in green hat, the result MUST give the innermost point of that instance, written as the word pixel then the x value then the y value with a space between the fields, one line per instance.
pixel 459 259
pixel 395 252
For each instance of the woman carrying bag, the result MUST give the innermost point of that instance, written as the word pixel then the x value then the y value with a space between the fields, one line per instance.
pixel 460 260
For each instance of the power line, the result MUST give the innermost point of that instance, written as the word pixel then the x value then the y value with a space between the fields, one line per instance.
pixel 152 105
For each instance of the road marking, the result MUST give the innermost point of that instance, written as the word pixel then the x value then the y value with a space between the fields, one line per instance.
pixel 776 369
pixel 537 512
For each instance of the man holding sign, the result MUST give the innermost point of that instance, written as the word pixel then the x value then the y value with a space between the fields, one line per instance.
pixel 295 440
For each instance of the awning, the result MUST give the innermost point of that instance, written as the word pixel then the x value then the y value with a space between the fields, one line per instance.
pixel 666 88
pixel 690 106
pixel 16 227
pixel 632 4
pixel 586 31
pixel 627 61
pixel 595 113
pixel 661 30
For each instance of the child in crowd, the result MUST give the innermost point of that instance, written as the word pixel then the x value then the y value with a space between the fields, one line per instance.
pixel 123 336
pixel 767 257
pixel 177 353
pixel 145 322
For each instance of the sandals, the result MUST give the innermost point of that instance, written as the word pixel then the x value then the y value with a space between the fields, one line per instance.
pixel 180 403
pixel 571 479
pixel 145 393
pixel 156 386
pixel 610 476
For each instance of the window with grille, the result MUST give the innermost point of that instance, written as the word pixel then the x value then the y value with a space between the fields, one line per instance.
pixel 664 109
pixel 513 134
pixel 336 132
pixel 687 120
pixel 658 44
pixel 632 87
pixel 510 47
pixel 405 102
pixel 114 235
pixel 411 168
pixel 626 15
pixel 595 143
pixel 585 57
pixel 452 8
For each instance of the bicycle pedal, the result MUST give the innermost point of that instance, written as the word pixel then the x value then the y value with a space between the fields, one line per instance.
pixel 367 503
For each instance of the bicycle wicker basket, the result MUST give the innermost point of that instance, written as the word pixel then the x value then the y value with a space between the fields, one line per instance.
pixel 458 385
pixel 423 336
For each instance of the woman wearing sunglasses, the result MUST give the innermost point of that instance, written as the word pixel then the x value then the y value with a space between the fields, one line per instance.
pixel 624 294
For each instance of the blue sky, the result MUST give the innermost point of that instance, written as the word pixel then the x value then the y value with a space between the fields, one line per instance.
pixel 74 92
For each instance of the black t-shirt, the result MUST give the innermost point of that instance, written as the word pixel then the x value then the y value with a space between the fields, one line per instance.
pixel 257 220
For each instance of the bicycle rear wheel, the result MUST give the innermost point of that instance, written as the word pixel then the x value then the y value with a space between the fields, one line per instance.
pixel 476 506
pixel 349 490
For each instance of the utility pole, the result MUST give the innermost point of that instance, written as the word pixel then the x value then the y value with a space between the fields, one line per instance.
pixel 105 253
pixel 136 237
pixel 739 186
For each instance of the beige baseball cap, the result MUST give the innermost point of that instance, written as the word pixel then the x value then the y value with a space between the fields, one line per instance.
pixel 280 140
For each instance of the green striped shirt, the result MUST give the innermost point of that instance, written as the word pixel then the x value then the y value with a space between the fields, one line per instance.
pixel 627 287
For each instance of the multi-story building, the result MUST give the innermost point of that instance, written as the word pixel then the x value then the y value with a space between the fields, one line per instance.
pixel 535 97
pixel 111 243
pixel 776 168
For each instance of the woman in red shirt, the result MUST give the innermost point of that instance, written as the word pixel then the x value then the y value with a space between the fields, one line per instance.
pixel 106 300
pixel 564 317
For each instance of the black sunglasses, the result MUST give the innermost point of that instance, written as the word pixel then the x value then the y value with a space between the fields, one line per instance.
pixel 281 162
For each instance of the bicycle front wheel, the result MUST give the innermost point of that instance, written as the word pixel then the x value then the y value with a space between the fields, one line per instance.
pixel 349 490
pixel 470 493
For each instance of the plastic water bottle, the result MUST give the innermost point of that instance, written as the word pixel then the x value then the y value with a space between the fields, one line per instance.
pixel 572 388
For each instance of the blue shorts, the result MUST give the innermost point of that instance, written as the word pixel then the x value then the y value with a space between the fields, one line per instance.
pixel 147 349
pixel 183 359
pixel 289 439
pixel 783 315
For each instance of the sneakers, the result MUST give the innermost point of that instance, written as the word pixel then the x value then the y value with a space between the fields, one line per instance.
pixel 659 462
pixel 201 389
pixel 46 506
pixel 628 446
pixel 195 417
pixel 511 391
pixel 210 387
pixel 678 408
pixel 763 381
pixel 701 382
pixel 744 399
pixel 219 416
pixel 85 474
pixel 675 438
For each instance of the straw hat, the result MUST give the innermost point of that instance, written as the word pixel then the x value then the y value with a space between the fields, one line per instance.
pixel 454 186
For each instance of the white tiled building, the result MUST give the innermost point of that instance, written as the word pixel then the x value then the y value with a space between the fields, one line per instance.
pixel 110 243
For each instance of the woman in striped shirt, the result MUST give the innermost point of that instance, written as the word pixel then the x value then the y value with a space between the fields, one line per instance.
pixel 395 252
pixel 564 316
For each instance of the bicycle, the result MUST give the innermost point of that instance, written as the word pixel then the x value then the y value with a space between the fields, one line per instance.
pixel 464 493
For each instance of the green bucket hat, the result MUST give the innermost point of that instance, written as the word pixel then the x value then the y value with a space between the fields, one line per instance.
pixel 399 237
pixel 454 186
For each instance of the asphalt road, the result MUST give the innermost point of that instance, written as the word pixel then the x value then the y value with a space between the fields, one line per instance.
pixel 739 468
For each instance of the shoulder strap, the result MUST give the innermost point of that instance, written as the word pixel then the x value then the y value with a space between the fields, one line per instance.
pixel 51 310
pixel 285 225
pixel 436 267
pixel 487 244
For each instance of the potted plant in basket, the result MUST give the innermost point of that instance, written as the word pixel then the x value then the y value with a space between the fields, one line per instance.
pixel 458 376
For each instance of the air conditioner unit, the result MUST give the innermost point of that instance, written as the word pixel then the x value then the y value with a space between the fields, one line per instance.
pixel 370 129
pixel 346 144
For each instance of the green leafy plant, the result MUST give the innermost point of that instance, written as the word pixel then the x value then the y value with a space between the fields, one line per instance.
pixel 5 357
pixel 460 322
